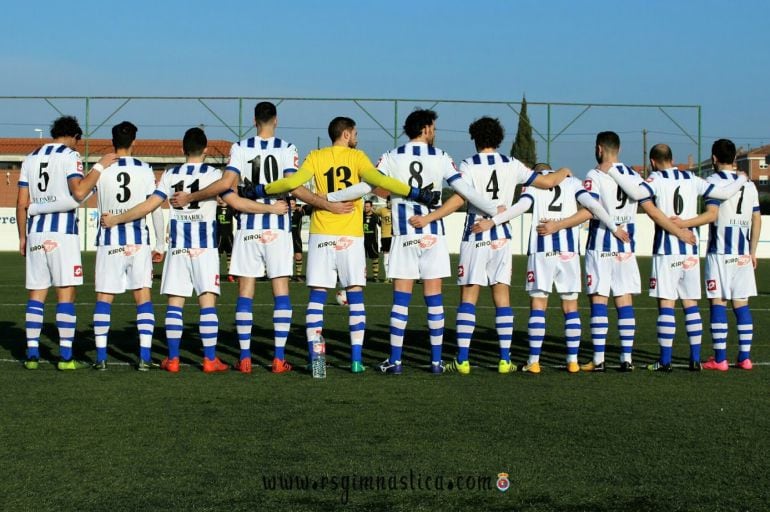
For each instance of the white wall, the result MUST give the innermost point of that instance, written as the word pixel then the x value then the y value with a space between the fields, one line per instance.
pixel 9 239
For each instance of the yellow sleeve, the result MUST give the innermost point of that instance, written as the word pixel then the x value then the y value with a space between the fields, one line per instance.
pixel 287 184
pixel 376 179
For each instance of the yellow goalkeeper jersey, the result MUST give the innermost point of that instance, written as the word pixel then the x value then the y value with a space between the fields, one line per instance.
pixel 335 168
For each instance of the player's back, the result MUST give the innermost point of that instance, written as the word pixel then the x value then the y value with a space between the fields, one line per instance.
pixel 121 186
pixel 45 172
pixel 621 208
pixel 262 161
pixel 337 168
pixel 731 232
pixel 676 194
pixel 193 226
pixel 419 165
pixel 495 176
pixel 555 203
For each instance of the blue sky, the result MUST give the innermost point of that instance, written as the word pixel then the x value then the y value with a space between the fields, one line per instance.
pixel 677 52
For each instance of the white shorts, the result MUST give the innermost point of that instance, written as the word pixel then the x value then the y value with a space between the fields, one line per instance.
pixel 330 256
pixel 730 277
pixel 53 259
pixel 675 277
pixel 257 253
pixel 186 270
pixel 612 272
pixel 548 269
pixel 485 263
pixel 418 257
pixel 121 268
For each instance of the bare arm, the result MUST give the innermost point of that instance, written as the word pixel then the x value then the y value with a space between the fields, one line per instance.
pixel 316 201
pixel 756 230
pixel 81 187
pixel 249 206
pixel 229 180
pixel 707 217
pixel 22 203
pixel 450 206
pixel 664 222
pixel 552 226
pixel 550 180
pixel 137 212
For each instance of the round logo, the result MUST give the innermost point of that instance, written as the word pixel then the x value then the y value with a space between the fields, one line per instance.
pixel 503 484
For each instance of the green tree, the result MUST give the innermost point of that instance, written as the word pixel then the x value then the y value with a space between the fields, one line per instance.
pixel 524 145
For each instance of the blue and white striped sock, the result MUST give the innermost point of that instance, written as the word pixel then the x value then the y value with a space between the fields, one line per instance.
pixel 745 331
pixel 244 318
pixel 357 324
pixel 599 327
pixel 65 323
pixel 102 318
pixel 209 329
pixel 399 314
pixel 281 324
pixel 626 332
pixel 572 331
pixel 33 324
pixel 174 326
pixel 536 334
pixel 694 326
pixel 718 318
pixel 435 305
pixel 314 317
pixel 466 324
pixel 145 324
pixel 666 333
pixel 504 327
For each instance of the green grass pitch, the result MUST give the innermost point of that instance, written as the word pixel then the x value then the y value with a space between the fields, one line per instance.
pixel 125 440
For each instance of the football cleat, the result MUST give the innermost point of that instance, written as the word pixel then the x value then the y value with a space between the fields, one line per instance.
pixel 170 365
pixel 695 366
pixel 573 367
pixel 463 368
pixel 437 367
pixel 657 366
pixel 280 366
pixel 146 366
pixel 72 365
pixel 746 364
pixel 712 364
pixel 533 368
pixel 100 366
pixel 357 367
pixel 504 366
pixel 590 366
pixel 244 365
pixel 214 365
pixel 32 363
pixel 626 366
pixel 387 367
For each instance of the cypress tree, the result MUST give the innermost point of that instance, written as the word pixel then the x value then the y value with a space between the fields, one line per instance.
pixel 524 145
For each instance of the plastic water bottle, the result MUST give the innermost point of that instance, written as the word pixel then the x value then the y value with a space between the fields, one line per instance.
pixel 318 357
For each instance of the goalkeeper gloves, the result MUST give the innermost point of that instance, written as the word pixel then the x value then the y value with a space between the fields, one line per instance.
pixel 251 191
pixel 425 195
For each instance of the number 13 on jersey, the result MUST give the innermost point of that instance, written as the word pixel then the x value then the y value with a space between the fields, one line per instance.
pixel 338 178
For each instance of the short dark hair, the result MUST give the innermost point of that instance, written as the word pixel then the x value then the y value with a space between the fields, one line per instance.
pixel 418 120
pixel 338 126
pixel 486 132
pixel 264 112
pixel 194 142
pixel 123 135
pixel 724 151
pixel 368 201
pixel 661 153
pixel 66 126
pixel 608 140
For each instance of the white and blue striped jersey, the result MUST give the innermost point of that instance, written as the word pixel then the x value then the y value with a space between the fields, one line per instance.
pixel 621 208
pixel 676 194
pixel 495 176
pixel 555 203
pixel 195 225
pixel 731 232
pixel 263 161
pixel 418 165
pixel 45 172
pixel 122 186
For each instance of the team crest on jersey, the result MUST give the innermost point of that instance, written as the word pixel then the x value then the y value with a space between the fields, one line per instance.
pixel 650 179
pixel 498 244
pixel 589 279
pixel 530 276
pixel 711 285
pixel 566 256
pixel 744 260
pixel 653 283
pixel 690 262
pixel 343 243
pixel 216 280
pixel 50 246
pixel 194 253
pixel 623 256
pixel 587 184
pixel 428 241
pixel 461 271
pixel 268 236
pixel 130 250
pixel 503 484
pixel 77 271
pixel 80 166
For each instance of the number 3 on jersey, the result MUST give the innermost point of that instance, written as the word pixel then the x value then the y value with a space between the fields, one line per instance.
pixel 338 178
